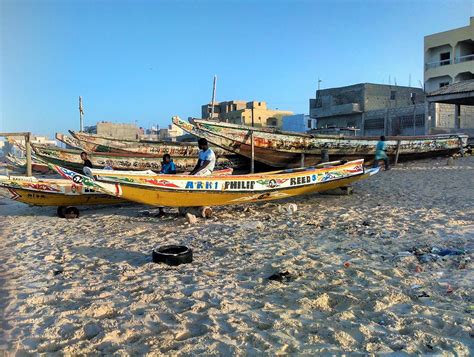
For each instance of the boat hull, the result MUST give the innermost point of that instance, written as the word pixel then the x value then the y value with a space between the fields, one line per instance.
pixel 71 159
pixel 94 143
pixel 54 192
pixel 157 197
pixel 282 149
pixel 188 191
pixel 35 198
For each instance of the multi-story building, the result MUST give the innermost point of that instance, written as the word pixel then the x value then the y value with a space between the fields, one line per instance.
pixel 449 57
pixel 373 108
pixel 241 112
pixel 449 77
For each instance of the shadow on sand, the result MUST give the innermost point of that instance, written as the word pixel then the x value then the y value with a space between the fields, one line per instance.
pixel 114 255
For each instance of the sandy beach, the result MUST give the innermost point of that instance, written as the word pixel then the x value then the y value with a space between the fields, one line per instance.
pixel 386 270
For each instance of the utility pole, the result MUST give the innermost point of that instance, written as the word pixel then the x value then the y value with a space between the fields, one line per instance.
pixel 213 96
pixel 319 83
pixel 412 97
pixel 252 160
pixel 81 113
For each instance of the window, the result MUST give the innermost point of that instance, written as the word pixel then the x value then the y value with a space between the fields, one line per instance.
pixel 309 123
pixel 444 58
pixel 443 84
pixel 393 95
pixel 351 124
pixel 374 123
pixel 272 122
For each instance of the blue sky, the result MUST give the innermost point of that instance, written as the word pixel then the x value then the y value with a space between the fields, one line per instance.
pixel 145 61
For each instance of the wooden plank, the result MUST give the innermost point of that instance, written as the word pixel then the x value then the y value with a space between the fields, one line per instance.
pixel 397 152
pixel 252 158
pixel 29 171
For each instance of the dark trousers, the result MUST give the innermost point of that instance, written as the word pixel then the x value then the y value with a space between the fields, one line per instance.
pixel 376 163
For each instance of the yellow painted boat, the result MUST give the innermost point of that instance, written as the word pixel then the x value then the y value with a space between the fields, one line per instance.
pixel 53 192
pixel 191 191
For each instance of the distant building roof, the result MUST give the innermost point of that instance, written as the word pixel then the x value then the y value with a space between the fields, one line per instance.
pixel 455 88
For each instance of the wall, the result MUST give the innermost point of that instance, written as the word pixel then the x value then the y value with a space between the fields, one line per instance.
pixel 341 121
pixel 364 97
pixel 261 117
pixel 298 123
pixel 443 115
pixel 399 121
pixel 119 131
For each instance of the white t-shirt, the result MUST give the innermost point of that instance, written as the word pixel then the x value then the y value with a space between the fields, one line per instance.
pixel 208 155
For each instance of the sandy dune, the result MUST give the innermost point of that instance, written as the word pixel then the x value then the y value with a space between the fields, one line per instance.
pixel 365 274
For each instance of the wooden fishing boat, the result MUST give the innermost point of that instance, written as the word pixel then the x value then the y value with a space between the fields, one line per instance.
pixel 192 191
pixel 286 149
pixel 71 159
pixel 69 141
pixel 96 143
pixel 54 192
pixel 19 164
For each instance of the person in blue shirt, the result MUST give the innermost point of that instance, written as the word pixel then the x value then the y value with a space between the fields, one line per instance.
pixel 167 166
pixel 380 153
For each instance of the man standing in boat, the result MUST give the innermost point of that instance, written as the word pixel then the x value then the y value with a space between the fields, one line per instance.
pixel 207 159
pixel 380 153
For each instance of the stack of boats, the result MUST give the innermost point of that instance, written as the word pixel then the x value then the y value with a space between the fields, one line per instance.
pixel 133 166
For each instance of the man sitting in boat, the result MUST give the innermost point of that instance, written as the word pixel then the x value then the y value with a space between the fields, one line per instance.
pixel 167 166
pixel 87 162
pixel 207 159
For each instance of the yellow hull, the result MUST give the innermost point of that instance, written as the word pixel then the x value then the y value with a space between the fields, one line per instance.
pixel 190 191
pixel 160 197
pixel 36 198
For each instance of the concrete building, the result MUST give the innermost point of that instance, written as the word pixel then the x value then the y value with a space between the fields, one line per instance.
pixel 375 108
pixel 116 130
pixel 449 57
pixel 298 122
pixel 170 133
pixel 241 112
pixel 35 139
pixel 450 109
pixel 449 80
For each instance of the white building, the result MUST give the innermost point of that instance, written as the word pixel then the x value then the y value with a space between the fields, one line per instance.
pixel 298 122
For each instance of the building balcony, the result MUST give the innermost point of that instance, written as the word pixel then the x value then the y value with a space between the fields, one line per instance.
pixel 462 59
pixel 447 62
pixel 460 65
pixel 438 64
pixel 334 110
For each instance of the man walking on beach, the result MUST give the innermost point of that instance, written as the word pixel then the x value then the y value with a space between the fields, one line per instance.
pixel 380 153
pixel 207 159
